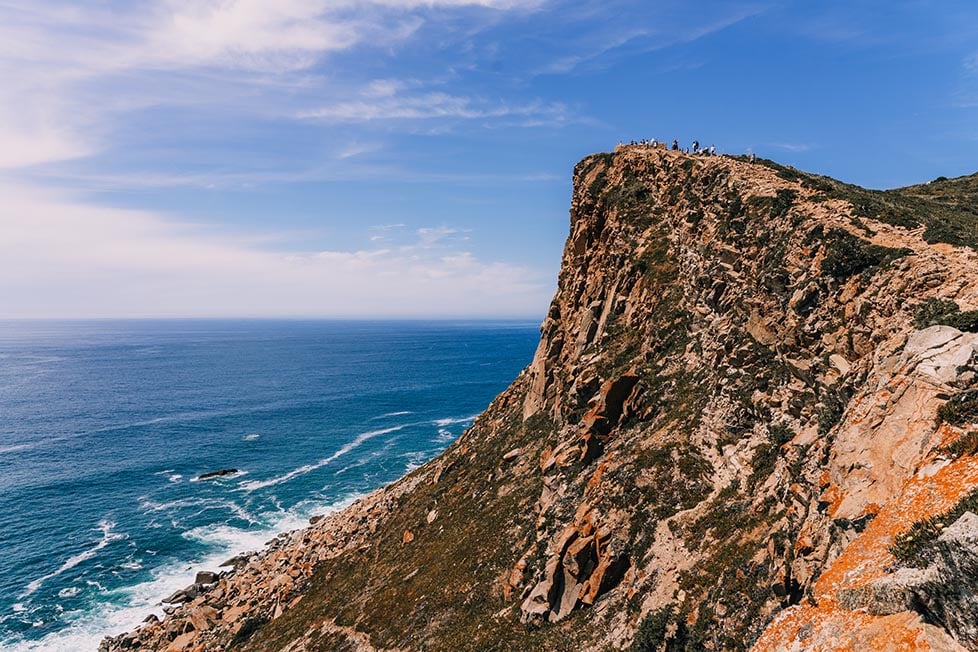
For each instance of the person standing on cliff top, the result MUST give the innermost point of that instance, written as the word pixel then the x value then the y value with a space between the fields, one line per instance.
pixel 675 145
pixel 696 147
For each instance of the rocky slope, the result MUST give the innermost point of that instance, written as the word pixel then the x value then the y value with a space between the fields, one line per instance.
pixel 748 425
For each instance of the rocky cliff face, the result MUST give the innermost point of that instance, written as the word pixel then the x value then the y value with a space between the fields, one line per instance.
pixel 748 425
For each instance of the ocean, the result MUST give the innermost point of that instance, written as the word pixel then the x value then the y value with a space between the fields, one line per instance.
pixel 106 425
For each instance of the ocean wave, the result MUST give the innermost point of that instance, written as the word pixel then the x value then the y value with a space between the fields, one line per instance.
pixel 393 414
pixel 444 436
pixel 203 503
pixel 15 447
pixel 450 421
pixel 123 609
pixel 251 437
pixel 176 477
pixel 108 536
pixel 351 445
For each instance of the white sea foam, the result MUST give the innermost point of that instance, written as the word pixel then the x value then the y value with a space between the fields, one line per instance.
pixel 394 414
pixel 252 437
pixel 203 503
pixel 353 444
pixel 176 477
pixel 416 459
pixel 450 421
pixel 123 609
pixel 15 447
pixel 69 592
pixel 444 436
pixel 108 536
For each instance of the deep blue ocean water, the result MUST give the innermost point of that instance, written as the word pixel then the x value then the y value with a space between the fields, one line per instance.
pixel 104 427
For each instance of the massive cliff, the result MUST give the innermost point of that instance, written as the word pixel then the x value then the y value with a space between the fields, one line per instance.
pixel 748 425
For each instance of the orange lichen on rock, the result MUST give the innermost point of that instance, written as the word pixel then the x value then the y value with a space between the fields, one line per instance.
pixel 867 557
pixel 830 629
pixel 826 625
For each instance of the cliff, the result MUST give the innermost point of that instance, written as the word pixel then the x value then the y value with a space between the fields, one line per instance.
pixel 748 425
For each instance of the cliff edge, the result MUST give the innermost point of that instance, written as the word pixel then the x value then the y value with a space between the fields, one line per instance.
pixel 751 423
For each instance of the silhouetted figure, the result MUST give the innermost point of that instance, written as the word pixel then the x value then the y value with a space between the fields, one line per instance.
pixel 713 150
pixel 753 157
pixel 696 147
pixel 675 145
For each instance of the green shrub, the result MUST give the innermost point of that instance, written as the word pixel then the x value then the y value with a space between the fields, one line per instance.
pixel 783 202
pixel 766 454
pixel 945 312
pixel 914 547
pixel 960 409
pixel 846 255
pixel 653 633
pixel 966 445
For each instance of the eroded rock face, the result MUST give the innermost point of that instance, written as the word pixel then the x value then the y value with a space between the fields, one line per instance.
pixel 730 417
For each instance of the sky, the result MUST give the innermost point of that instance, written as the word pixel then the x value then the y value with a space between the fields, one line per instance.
pixel 412 158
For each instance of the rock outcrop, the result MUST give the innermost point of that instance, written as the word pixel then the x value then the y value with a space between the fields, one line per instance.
pixel 748 425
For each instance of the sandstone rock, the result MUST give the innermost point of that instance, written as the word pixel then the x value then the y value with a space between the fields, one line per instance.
pixel 206 577
pixel 512 455
pixel 203 618
pixel 182 642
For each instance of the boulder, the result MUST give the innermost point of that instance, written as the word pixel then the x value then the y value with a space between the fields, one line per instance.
pixel 183 595
pixel 216 474
pixel 206 577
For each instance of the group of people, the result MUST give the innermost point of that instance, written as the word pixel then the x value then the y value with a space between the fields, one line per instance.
pixel 695 149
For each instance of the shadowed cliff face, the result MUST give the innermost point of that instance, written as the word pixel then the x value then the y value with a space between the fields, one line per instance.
pixel 729 437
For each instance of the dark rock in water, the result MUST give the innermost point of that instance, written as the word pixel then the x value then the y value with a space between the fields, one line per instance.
pixel 152 618
pixel 315 519
pixel 183 595
pixel 216 474
pixel 206 577
pixel 237 561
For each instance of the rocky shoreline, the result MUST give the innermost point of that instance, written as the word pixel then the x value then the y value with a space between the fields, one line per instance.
pixel 221 609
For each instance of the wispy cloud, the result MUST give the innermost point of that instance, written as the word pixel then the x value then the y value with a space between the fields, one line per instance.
pixel 70 71
pixel 63 257
pixel 792 147
pixel 428 106
pixel 971 63
pixel 658 31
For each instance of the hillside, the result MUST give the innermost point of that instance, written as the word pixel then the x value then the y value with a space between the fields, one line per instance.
pixel 748 425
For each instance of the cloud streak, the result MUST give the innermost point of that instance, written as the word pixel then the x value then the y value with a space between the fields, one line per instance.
pixel 63 258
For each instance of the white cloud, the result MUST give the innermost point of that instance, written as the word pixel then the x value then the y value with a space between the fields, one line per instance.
pixel 69 71
pixel 796 148
pixel 971 63
pixel 63 258
pixel 427 106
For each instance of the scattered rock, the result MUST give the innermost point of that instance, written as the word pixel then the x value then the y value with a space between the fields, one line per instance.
pixel 512 455
pixel 183 595
pixel 216 474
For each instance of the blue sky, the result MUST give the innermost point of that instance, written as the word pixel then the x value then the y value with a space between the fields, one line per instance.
pixel 412 158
